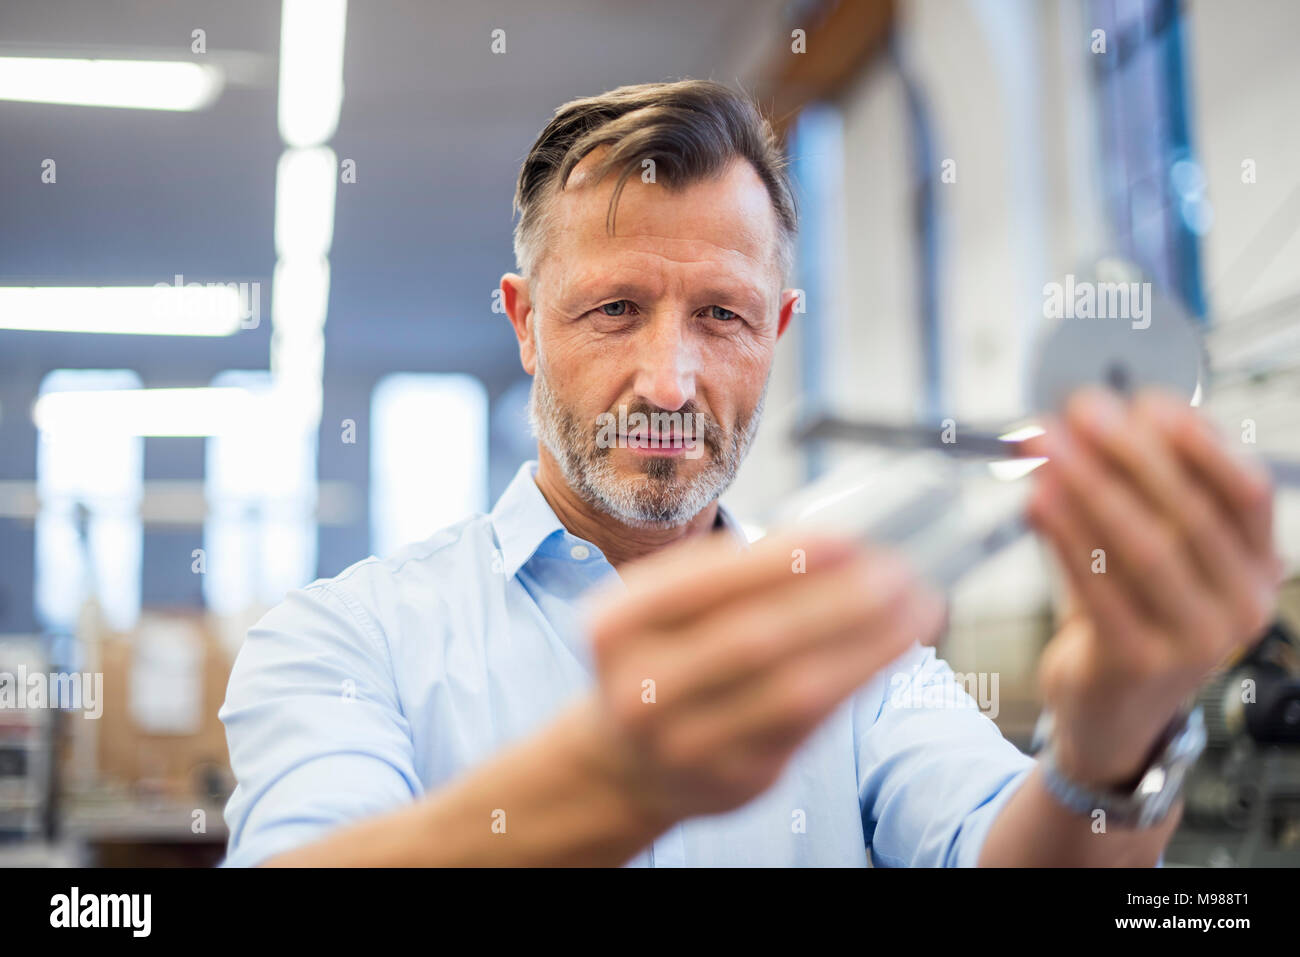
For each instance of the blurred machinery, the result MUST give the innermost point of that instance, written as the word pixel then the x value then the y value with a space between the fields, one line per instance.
pixel 1243 798
pixel 26 745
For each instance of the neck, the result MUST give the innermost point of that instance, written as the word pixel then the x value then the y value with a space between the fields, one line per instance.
pixel 619 542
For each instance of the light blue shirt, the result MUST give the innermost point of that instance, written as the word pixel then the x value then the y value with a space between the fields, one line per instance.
pixel 360 693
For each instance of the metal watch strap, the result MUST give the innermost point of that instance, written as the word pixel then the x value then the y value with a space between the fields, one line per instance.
pixel 1157 789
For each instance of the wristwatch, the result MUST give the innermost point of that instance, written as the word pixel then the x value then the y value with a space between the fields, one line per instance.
pixel 1158 787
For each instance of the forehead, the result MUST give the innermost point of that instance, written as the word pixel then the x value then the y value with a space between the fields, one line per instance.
pixel 725 221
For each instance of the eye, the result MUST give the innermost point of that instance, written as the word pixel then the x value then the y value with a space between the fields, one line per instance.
pixel 717 312
pixel 618 307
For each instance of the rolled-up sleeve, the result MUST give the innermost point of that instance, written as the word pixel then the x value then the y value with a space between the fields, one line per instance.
pixel 316 732
pixel 933 771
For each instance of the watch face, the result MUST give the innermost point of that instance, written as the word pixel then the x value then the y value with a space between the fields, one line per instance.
pixel 1156 797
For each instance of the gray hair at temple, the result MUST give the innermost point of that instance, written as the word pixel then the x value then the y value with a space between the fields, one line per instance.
pixel 692 129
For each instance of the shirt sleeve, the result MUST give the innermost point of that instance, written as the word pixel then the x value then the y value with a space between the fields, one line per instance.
pixel 316 732
pixel 933 771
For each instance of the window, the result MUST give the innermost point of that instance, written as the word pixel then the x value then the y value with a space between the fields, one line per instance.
pixel 88 532
pixel 259 536
pixel 1155 188
pixel 428 456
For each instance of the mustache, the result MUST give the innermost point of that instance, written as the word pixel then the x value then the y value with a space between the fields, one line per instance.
pixel 699 425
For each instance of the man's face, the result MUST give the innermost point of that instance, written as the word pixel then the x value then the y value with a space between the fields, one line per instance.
pixel 675 318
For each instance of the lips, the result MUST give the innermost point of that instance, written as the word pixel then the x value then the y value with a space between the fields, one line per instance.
pixel 639 440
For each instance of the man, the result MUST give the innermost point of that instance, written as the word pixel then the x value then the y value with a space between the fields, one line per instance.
pixel 718 704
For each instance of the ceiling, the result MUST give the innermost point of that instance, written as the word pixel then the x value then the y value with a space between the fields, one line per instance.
pixel 437 126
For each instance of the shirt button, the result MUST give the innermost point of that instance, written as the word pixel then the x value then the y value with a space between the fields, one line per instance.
pixel 580 552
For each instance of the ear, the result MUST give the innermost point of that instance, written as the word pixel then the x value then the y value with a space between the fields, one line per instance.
pixel 789 299
pixel 519 307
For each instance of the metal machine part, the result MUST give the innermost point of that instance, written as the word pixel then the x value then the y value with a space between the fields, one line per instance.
pixel 1123 334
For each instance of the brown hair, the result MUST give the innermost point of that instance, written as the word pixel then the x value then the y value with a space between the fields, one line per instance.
pixel 692 129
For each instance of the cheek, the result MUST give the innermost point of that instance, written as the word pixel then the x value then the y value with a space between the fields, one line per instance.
pixel 589 372
pixel 569 356
pixel 734 378
pixel 752 357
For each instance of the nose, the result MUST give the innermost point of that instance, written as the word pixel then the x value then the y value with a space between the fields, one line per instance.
pixel 666 366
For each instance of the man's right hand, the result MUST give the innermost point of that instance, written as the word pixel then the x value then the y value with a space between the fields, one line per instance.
pixel 717 663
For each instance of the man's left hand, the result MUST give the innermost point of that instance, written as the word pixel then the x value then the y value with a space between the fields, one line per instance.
pixel 1166 540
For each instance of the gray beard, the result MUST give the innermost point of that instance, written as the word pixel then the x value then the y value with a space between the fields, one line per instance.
pixel 659 497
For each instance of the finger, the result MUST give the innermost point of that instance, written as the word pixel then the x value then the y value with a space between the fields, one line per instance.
pixel 1159 576
pixel 1244 577
pixel 734 645
pixel 1244 488
pixel 683 582
pixel 847 668
pixel 784 706
pixel 1053 512
pixel 1131 444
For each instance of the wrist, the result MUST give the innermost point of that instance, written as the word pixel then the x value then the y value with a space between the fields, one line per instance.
pixel 1119 773
pixel 597 760
pixel 1116 756
pixel 1142 800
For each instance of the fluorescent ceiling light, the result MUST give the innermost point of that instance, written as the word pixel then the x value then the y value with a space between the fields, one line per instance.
pixel 163 310
pixel 126 84
pixel 149 412
pixel 304 203
pixel 300 294
pixel 298 353
pixel 298 365
pixel 311 69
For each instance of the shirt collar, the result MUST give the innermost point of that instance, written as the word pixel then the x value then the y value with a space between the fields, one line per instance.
pixel 523 519
pixel 728 522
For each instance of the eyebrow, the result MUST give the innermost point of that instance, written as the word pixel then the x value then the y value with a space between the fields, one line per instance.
pixel 746 300
pixel 749 300
pixel 597 290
